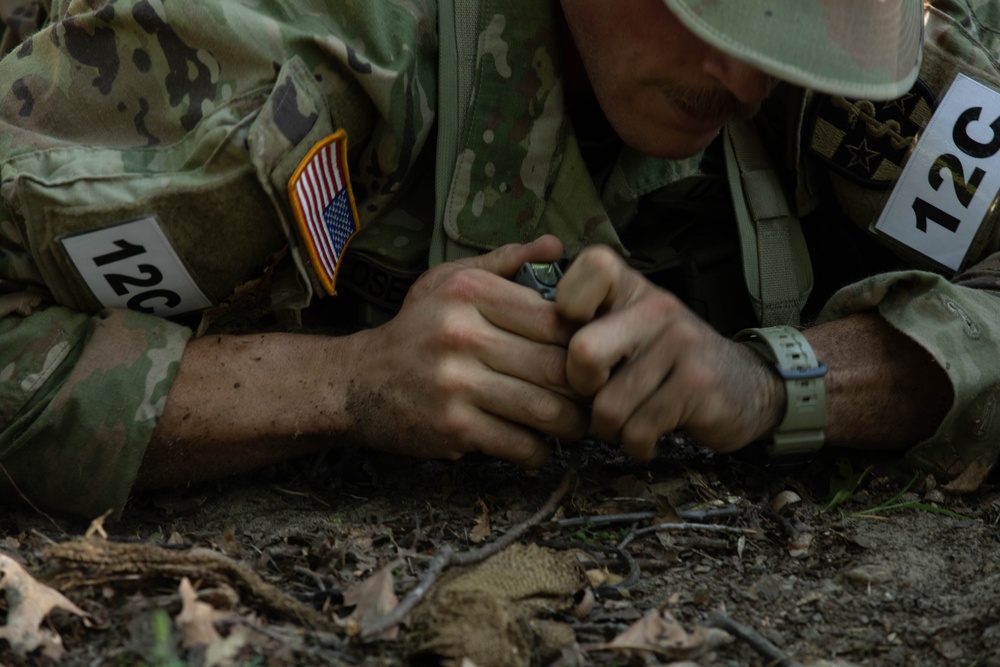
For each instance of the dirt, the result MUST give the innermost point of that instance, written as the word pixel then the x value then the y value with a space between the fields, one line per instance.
pixel 894 573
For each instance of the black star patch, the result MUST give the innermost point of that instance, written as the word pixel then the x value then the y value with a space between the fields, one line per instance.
pixel 868 141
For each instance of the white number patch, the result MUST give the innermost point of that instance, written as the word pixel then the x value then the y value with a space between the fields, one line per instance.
pixel 949 184
pixel 133 266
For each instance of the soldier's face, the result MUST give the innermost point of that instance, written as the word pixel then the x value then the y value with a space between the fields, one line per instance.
pixel 665 92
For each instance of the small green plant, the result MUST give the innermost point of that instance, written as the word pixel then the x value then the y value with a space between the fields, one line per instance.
pixel 589 534
pixel 893 504
pixel 162 654
pixel 844 487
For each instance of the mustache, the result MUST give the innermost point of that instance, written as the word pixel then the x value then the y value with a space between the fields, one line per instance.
pixel 712 103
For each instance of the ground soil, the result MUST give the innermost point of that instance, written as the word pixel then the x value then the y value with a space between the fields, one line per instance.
pixel 860 583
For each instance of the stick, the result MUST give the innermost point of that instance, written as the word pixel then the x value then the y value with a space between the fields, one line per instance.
pixel 774 656
pixel 686 515
pixel 447 557
pixel 711 527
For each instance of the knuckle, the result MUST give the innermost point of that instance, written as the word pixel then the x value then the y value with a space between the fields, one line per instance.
pixel 449 384
pixel 457 428
pixel 553 369
pixel 454 332
pixel 666 305
pixel 585 351
pixel 545 411
pixel 461 286
pixel 600 258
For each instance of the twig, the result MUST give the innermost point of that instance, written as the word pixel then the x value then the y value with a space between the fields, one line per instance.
pixel 774 656
pixel 604 519
pixel 448 557
pixel 662 527
pixel 686 515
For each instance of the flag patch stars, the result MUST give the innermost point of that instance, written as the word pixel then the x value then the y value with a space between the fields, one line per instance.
pixel 324 208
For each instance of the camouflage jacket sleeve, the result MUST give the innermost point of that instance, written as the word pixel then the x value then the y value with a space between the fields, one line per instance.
pixel 193 116
pixel 957 318
pixel 81 396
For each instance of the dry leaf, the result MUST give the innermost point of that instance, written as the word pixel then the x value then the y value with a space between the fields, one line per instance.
pixel 28 603
pixel 224 651
pixel 372 598
pixel 481 531
pixel 96 526
pixel 658 632
pixel 196 619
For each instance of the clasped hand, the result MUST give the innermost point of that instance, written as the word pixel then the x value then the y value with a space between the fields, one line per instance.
pixel 475 362
pixel 652 366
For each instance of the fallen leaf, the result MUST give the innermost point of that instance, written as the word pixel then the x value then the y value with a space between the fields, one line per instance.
pixel 224 651
pixel 970 480
pixel 658 632
pixel 481 531
pixel 372 599
pixel 603 577
pixel 28 603
pixel 96 526
pixel 196 619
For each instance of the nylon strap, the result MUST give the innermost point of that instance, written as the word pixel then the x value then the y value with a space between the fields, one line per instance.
pixel 458 30
pixel 776 263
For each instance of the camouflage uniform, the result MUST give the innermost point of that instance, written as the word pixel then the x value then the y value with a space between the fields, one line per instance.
pixel 199 114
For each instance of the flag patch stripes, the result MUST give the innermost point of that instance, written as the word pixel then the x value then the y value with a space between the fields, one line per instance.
pixel 324 207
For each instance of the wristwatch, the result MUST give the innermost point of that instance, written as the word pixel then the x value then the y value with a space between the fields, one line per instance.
pixel 801 433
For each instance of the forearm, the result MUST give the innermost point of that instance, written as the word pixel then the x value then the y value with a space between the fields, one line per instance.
pixel 240 402
pixel 882 389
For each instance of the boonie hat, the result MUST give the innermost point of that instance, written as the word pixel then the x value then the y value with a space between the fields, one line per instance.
pixel 856 48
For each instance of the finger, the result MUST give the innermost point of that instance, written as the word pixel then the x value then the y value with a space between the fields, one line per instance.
pixel 591 283
pixel 633 383
pixel 473 429
pixel 534 407
pixel 522 311
pixel 466 428
pixel 543 365
pixel 599 347
pixel 507 259
pixel 513 443
pixel 657 415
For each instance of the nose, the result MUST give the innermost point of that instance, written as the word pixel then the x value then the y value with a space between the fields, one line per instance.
pixel 746 82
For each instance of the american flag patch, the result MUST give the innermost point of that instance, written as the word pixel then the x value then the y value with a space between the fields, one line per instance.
pixel 320 192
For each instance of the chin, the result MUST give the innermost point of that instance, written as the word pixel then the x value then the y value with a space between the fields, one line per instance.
pixel 670 145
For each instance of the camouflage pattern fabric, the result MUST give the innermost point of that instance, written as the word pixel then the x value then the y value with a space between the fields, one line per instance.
pixel 199 114
pixel 955 319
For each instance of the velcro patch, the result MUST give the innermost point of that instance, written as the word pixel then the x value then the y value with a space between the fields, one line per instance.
pixel 866 141
pixel 324 208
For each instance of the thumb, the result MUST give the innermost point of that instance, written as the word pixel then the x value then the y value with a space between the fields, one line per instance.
pixel 507 259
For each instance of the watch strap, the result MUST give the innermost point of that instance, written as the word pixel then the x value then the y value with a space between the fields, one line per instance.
pixel 802 430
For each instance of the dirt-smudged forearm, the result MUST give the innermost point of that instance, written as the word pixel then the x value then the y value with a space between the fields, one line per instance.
pixel 882 389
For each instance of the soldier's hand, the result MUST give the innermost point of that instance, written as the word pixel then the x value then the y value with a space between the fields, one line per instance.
pixel 652 366
pixel 473 362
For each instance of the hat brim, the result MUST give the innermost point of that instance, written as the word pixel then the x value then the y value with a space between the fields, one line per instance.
pixel 857 48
